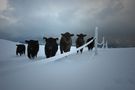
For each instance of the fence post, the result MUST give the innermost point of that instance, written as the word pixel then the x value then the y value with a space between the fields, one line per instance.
pixel 96 40
pixel 103 42
pixel 106 44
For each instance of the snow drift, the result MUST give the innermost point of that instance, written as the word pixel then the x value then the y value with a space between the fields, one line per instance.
pixel 111 69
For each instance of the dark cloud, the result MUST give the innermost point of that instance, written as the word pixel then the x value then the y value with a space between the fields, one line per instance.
pixel 38 18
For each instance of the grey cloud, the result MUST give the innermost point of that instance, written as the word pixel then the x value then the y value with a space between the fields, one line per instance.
pixel 36 18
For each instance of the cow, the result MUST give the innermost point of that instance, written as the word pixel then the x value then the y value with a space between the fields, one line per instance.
pixel 80 41
pixel 91 45
pixel 65 42
pixel 51 46
pixel 32 48
pixel 20 49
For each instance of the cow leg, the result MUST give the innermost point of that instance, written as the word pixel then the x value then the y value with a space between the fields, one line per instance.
pixel 81 50
pixel 61 50
pixel 24 52
pixel 17 53
pixel 47 56
pixel 89 48
pixel 29 56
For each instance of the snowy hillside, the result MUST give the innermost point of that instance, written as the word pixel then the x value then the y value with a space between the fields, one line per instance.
pixel 111 69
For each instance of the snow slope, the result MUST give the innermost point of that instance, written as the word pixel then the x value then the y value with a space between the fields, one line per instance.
pixel 111 69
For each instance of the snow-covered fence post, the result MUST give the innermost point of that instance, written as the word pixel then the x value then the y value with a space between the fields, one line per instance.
pixel 106 45
pixel 96 40
pixel 103 42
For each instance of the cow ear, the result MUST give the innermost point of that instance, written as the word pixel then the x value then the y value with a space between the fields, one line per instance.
pixel 45 38
pixel 72 35
pixel 16 44
pixel 62 34
pixel 26 41
pixel 56 39
pixel 77 35
pixel 84 35
pixel 36 41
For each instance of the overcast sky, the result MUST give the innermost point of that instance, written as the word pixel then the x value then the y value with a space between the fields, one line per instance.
pixel 25 19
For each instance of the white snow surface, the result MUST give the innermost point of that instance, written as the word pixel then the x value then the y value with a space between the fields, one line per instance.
pixel 111 69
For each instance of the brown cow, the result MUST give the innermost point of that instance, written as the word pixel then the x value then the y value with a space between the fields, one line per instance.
pixel 20 49
pixel 91 45
pixel 51 46
pixel 80 41
pixel 32 48
pixel 66 42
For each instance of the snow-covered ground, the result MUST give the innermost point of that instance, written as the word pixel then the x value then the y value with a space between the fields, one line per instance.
pixel 111 69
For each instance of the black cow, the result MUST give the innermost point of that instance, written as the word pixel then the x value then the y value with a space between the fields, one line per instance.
pixel 80 41
pixel 20 49
pixel 32 48
pixel 66 42
pixel 51 46
pixel 91 45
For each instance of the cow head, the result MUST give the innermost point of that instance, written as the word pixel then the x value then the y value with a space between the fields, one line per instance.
pixel 31 41
pixel 50 40
pixel 67 35
pixel 50 43
pixel 81 35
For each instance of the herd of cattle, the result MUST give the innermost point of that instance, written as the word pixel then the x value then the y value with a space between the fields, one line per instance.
pixel 51 45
